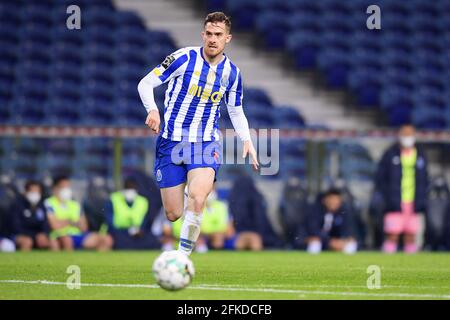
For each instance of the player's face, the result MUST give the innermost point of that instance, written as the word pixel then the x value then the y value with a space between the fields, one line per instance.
pixel 215 37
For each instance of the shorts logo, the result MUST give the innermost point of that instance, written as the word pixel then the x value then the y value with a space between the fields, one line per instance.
pixel 158 175
pixel 168 61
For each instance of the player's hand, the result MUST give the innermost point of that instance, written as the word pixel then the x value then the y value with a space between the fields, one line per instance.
pixel 153 121
pixel 250 149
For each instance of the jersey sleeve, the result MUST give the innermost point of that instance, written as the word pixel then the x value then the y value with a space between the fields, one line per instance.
pixel 233 101
pixel 234 96
pixel 172 66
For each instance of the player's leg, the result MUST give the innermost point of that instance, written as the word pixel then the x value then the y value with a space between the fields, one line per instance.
pixel 200 182
pixel 173 201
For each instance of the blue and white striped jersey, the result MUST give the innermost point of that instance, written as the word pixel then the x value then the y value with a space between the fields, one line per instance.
pixel 194 94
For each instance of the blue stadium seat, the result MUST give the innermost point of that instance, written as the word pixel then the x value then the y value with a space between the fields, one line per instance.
pixel 244 12
pixel 99 54
pixel 336 64
pixel 62 111
pixel 67 71
pixel 100 36
pixel 306 6
pixel 366 84
pixel 287 117
pixel 97 72
pixel 128 19
pixel 37 15
pixel 100 17
pixel 256 96
pixel 427 117
pixel 62 34
pixel 66 52
pixel 130 112
pixel 398 104
pixel 429 97
pixel 273 26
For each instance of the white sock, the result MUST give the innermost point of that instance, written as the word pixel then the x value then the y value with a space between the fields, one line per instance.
pixel 190 230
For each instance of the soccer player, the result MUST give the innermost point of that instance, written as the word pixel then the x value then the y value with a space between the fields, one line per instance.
pixel 187 148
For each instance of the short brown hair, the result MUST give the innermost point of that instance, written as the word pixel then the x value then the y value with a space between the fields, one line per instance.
pixel 214 17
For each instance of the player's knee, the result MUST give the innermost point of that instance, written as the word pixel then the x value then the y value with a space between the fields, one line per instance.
pixel 172 216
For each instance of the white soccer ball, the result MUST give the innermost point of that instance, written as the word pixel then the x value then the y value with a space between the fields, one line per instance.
pixel 173 270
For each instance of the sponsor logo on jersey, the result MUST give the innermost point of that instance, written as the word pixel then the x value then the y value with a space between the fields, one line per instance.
pixel 168 61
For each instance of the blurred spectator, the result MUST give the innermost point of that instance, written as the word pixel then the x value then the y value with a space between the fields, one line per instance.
pixel 29 219
pixel 402 180
pixel 293 210
pixel 127 218
pixel 215 227
pixel 94 205
pixel 438 202
pixel 249 214
pixel 446 231
pixel 329 225
pixel 147 188
pixel 68 223
pixel 8 195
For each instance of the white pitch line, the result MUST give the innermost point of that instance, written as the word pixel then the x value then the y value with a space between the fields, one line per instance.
pixel 218 288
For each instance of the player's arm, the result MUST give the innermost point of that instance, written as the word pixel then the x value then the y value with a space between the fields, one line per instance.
pixel 171 67
pixel 233 99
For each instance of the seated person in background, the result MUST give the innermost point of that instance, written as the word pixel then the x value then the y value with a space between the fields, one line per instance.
pixel 68 223
pixel 214 226
pixel 29 219
pixel 8 196
pixel 328 225
pixel 248 211
pixel 126 215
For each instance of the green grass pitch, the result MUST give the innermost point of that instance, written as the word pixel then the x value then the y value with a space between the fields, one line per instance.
pixel 227 275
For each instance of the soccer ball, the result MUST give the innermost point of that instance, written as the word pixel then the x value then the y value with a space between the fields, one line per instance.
pixel 173 270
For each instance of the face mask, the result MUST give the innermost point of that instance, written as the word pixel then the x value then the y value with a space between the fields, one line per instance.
pixel 65 194
pixel 33 197
pixel 129 194
pixel 407 141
